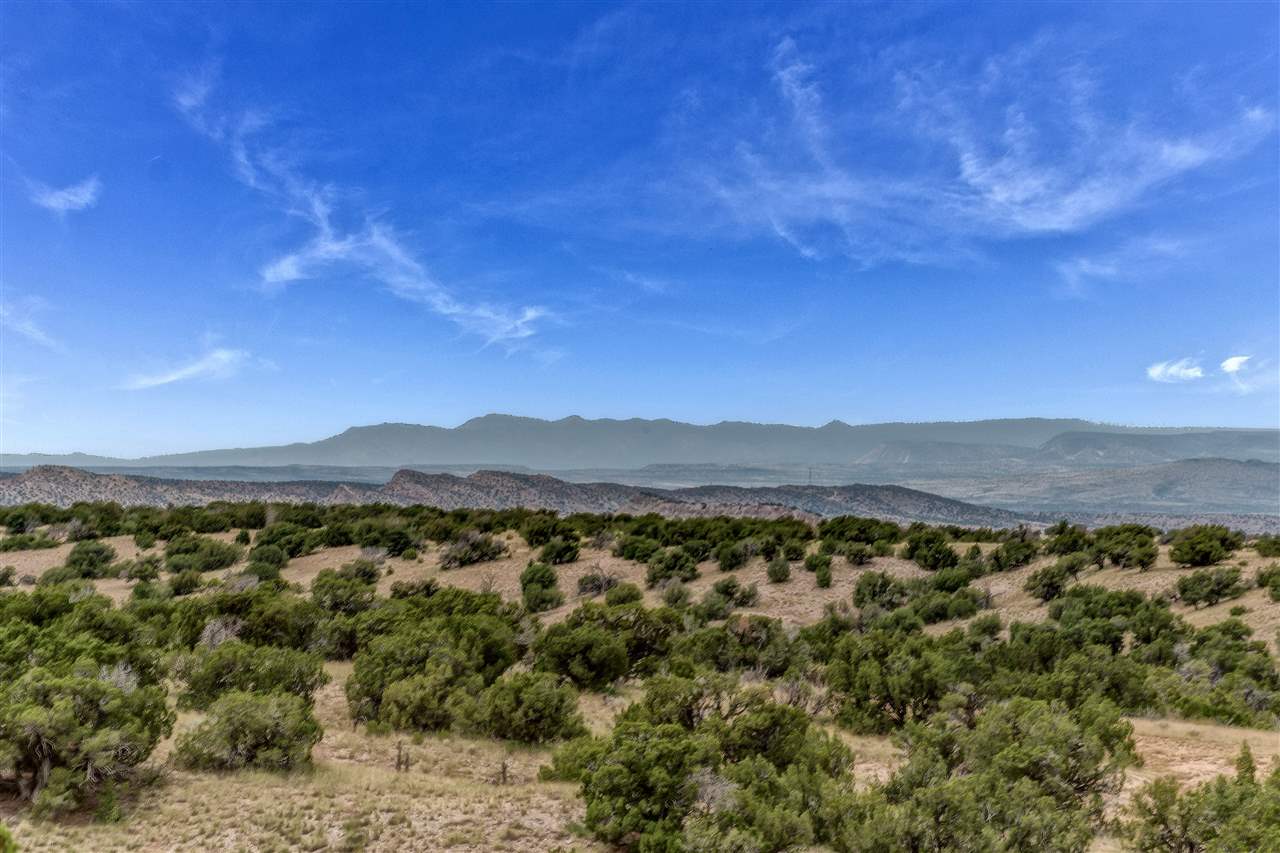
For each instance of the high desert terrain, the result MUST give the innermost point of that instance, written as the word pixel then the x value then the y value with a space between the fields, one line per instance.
pixel 465 791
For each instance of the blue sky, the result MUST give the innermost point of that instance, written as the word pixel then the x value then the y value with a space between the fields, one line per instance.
pixel 228 225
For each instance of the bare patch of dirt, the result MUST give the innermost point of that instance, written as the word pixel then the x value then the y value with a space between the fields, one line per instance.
pixel 40 561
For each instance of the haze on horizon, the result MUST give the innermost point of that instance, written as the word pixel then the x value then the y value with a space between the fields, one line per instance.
pixel 228 226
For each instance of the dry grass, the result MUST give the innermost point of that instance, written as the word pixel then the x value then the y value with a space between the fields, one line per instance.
pixel 353 800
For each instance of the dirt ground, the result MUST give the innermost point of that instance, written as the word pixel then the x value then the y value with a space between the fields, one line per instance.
pixel 470 794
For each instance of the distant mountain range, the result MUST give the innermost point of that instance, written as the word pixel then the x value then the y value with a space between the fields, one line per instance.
pixel 502 490
pixel 1029 465
pixel 64 486
pixel 577 443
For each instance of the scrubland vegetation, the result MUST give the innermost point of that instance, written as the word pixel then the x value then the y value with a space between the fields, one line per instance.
pixel 643 668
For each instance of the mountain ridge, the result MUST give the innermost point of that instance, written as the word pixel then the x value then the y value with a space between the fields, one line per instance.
pixel 63 486
pixel 576 442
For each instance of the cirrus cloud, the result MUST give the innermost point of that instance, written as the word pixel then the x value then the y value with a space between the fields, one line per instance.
pixel 374 249
pixel 1180 370
pixel 216 364
pixel 81 196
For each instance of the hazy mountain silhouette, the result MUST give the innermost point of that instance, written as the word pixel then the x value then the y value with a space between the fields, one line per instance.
pixel 574 442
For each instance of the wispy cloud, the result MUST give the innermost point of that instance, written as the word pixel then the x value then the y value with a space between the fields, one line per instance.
pixel 81 196
pixel 1238 374
pixel 373 248
pixel 1022 147
pixel 19 320
pixel 1246 375
pixel 1131 261
pixel 1182 370
pixel 216 364
pixel 1037 153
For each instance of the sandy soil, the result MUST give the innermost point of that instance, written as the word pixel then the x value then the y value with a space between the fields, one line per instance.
pixel 39 561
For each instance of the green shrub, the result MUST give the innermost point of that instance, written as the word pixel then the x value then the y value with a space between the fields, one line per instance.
pixel 1204 545
pixel 590 656
pixel 852 528
pixel 1239 813
pixel 82 703
pixel 1024 775
pixel 248 730
pixel 424 588
pixel 929 549
pixel 431 701
pixel 639 549
pixel 237 666
pixel 200 554
pixel 778 570
pixel 1015 552
pixel 713 606
pixel 469 548
pixel 185 583
pixel 144 539
pixel 263 571
pixel 698 549
pixel 1126 546
pixel 793 549
pixel 543 528
pixel 596 583
pixel 697 765
pixel 1269 579
pixel 623 593
pixel 342 592
pixel 443 654
pixel 144 568
pixel 1051 581
pixel 1209 586
pixel 1063 538
pixel 28 542
pixel 953 579
pixel 668 564
pixel 242 538
pixel 559 551
pixel 732 556
pixel 880 590
pixel 1267 546
pixel 676 595
pixel 530 707
pixel 59 575
pixel 644 785
pixel 539 588
pixel 822 576
pixel 270 555
pixel 90 558
pixel 741 596
pixel 857 553
pixel 817 562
